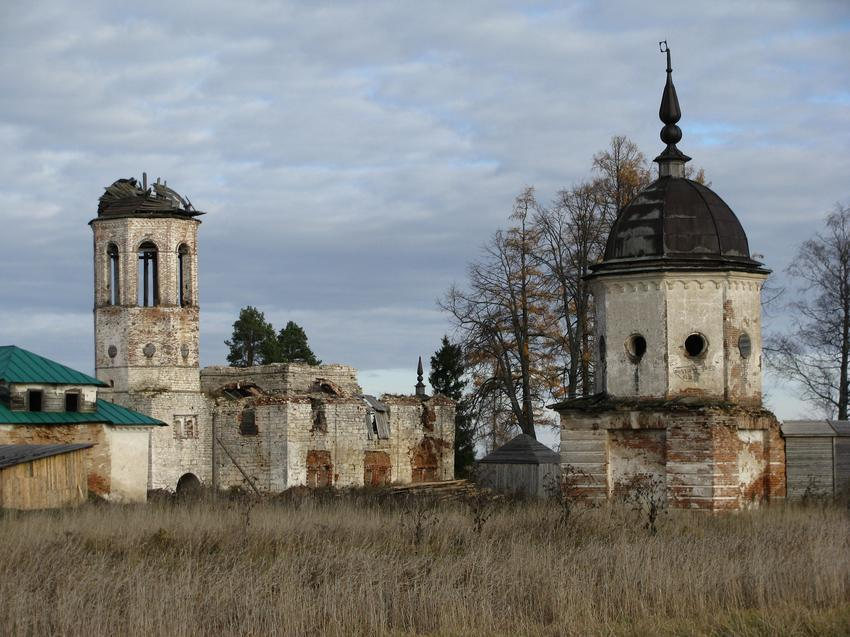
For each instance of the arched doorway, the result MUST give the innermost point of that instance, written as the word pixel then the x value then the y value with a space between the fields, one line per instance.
pixel 188 485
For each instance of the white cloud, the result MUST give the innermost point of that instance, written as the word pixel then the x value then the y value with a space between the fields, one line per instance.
pixel 353 156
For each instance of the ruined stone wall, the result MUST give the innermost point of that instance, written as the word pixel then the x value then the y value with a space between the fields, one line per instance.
pixel 345 440
pixel 665 309
pixel 710 457
pixel 323 440
pixel 282 378
pixel 259 450
pixel 422 445
pixel 98 457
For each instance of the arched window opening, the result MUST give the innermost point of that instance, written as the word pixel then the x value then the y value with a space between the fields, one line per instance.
pixel 113 275
pixel 148 288
pixel 184 276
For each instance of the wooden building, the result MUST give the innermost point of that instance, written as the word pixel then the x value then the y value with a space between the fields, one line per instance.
pixel 42 476
pixel 43 402
pixel 817 456
pixel 521 466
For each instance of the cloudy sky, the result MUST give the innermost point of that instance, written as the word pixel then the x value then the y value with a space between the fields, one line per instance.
pixel 352 157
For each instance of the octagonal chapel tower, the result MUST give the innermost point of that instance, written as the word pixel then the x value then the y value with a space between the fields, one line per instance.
pixel 678 350
pixel 677 295
pixel 147 321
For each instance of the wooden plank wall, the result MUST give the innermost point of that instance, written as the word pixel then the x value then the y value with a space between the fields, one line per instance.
pixel 808 466
pixel 45 483
pixel 842 464
pixel 528 479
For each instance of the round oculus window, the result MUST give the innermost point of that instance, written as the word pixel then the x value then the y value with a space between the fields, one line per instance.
pixel 695 345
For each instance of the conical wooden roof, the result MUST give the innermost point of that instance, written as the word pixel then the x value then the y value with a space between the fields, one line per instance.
pixel 522 450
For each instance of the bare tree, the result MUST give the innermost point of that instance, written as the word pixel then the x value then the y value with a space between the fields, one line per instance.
pixel 623 172
pixel 503 318
pixel 572 237
pixel 816 352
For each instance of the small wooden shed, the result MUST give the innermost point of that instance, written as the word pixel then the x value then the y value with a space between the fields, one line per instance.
pixel 521 466
pixel 42 476
pixel 817 457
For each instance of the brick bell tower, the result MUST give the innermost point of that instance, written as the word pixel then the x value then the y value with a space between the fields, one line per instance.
pixel 146 319
pixel 678 351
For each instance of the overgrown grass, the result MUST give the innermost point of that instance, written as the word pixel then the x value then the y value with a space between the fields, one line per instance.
pixel 360 565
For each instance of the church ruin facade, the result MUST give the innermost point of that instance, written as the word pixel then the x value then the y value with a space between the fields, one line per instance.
pixel 262 428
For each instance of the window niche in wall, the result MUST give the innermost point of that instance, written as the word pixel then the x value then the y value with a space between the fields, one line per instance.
pixel 248 422
pixel 186 427
pixel 148 275
pixel 636 347
pixel 745 345
pixel 319 416
pixel 184 276
pixel 113 275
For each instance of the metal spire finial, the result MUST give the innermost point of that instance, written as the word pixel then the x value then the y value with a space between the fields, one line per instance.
pixel 671 161
pixel 420 386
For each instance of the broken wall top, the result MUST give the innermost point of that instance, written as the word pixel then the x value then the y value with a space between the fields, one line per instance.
pixel 286 379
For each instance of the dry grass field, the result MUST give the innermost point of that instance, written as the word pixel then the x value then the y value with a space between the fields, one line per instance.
pixel 360 565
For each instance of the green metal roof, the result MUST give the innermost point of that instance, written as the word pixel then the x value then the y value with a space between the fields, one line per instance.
pixel 18 365
pixel 106 412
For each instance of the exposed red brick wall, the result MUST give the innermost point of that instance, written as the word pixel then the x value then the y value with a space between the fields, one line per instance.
pixel 716 457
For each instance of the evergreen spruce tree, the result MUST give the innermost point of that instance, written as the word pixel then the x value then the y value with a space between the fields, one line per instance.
pixel 292 346
pixel 446 378
pixel 253 341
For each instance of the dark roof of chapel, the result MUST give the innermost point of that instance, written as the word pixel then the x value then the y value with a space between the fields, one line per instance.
pixel 522 450
pixel 677 223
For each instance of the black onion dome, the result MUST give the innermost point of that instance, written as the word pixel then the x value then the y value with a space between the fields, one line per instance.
pixel 126 197
pixel 676 222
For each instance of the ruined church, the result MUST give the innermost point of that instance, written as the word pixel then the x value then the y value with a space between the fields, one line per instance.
pixel 678 353
pixel 264 428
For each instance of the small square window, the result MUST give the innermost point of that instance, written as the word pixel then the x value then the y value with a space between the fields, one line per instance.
pixel 185 426
pixel 72 401
pixel 34 399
